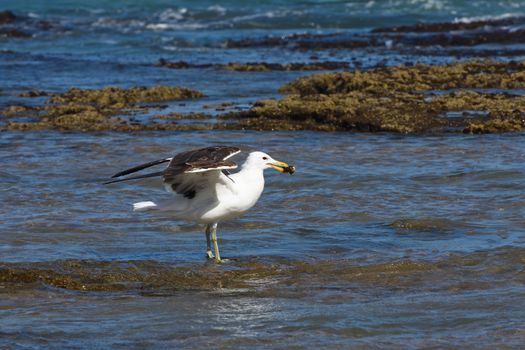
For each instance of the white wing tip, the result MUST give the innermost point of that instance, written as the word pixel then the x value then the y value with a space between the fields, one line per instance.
pixel 140 206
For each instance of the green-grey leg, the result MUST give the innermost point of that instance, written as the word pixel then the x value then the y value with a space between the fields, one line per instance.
pixel 214 240
pixel 209 254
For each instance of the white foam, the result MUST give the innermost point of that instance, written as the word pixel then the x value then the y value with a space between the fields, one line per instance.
pixel 486 18
pixel 434 5
pixel 173 15
pixel 217 8
pixel 175 26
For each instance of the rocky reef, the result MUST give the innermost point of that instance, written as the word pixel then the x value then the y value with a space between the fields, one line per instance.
pixel 472 96
pixel 479 96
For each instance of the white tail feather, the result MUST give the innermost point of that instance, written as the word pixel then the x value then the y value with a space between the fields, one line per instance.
pixel 142 206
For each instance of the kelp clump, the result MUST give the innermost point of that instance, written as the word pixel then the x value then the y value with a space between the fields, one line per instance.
pixel 472 96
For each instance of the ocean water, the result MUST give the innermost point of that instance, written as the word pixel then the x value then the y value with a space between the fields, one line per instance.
pixel 377 241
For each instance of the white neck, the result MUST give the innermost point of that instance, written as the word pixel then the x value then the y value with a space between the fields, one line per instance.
pixel 251 173
pixel 249 180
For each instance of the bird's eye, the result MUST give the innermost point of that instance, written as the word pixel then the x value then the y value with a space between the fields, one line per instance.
pixel 265 158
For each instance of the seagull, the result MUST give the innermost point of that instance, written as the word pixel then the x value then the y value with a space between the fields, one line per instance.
pixel 205 190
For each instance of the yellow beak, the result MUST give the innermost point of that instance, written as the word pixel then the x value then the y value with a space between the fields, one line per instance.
pixel 282 167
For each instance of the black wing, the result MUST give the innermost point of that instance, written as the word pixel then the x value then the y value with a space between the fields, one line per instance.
pixel 158 173
pixel 140 167
pixel 200 160
pixel 208 154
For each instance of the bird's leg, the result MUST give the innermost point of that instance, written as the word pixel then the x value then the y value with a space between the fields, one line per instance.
pixel 209 254
pixel 214 240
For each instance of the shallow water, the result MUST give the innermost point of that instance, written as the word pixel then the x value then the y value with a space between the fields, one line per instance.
pixel 377 241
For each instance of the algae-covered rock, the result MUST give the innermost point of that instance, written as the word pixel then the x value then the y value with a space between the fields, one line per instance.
pixel 34 93
pixel 419 77
pixel 498 122
pixel 354 111
pixel 121 98
pixel 95 110
pixel 273 275
pixel 404 99
pixel 16 109
pixel 470 96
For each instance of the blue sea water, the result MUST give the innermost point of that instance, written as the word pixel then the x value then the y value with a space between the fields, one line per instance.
pixel 406 241
pixel 94 43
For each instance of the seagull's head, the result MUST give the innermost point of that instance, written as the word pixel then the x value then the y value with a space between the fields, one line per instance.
pixel 264 161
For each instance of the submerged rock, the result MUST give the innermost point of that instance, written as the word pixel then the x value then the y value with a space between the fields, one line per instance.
pixel 14 33
pixel 154 277
pixel 16 26
pixel 272 275
pixel 257 66
pixel 433 38
pixel 7 17
pixel 34 93
pixel 452 26
pixel 270 41
pixel 16 109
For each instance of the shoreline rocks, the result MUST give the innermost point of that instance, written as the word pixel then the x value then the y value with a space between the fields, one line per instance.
pixel 469 97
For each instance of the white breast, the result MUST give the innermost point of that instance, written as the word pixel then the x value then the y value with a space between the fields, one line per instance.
pixel 237 198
